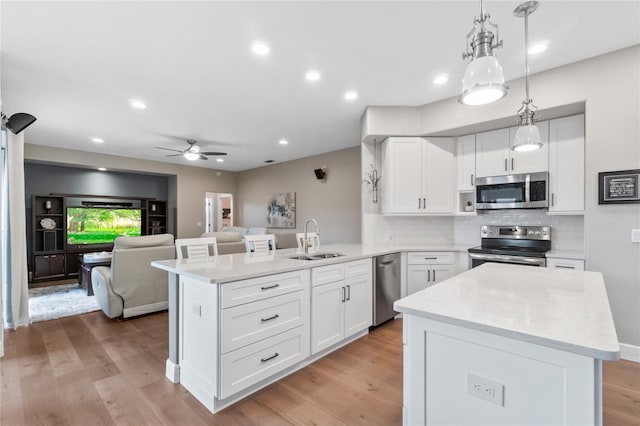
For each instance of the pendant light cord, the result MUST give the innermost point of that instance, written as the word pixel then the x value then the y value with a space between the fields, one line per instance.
pixel 526 54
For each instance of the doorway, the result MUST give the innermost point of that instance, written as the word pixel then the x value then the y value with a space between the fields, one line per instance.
pixel 218 211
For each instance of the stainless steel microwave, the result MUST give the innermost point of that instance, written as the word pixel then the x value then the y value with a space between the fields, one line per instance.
pixel 521 191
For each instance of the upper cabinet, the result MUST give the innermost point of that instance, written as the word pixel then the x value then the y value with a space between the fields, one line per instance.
pixel 566 165
pixel 494 156
pixel 419 175
pixel 466 163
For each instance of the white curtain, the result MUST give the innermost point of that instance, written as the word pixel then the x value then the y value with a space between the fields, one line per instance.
pixel 15 287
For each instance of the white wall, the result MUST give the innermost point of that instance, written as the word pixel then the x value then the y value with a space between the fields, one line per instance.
pixel 334 203
pixel 609 88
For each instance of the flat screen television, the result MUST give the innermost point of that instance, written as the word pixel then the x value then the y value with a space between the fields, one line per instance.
pixel 101 225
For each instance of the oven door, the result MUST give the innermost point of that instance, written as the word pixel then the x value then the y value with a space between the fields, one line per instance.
pixel 477 259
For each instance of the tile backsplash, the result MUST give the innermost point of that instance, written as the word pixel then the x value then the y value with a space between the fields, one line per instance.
pixel 567 232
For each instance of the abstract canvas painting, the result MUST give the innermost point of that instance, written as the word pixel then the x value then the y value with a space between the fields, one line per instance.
pixel 281 210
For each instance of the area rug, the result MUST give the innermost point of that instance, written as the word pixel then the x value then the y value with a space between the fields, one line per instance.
pixel 58 301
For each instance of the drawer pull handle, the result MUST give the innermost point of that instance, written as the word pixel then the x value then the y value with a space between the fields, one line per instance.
pixel 276 355
pixel 430 258
pixel 276 316
pixel 348 292
pixel 269 287
pixel 565 267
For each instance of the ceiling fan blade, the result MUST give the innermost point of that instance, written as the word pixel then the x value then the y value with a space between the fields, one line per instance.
pixel 202 157
pixel 168 149
pixel 213 153
pixel 174 155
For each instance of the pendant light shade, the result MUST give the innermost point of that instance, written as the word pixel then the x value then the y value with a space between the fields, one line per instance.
pixel 483 80
pixel 527 136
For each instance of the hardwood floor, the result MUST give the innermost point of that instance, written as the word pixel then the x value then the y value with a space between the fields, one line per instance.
pixel 89 370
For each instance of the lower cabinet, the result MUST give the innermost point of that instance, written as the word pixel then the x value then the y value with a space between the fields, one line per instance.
pixel 425 269
pixel 343 307
pixel 48 265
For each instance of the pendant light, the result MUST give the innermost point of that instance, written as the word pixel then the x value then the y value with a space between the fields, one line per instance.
pixel 483 80
pixel 528 136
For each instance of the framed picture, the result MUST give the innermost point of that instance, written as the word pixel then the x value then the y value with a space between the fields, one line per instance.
pixel 619 187
pixel 281 210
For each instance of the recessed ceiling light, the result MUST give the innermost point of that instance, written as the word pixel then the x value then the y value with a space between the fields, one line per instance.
pixel 220 160
pixel 538 47
pixel 137 104
pixel 351 95
pixel 97 140
pixel 259 48
pixel 312 75
pixel 441 79
pixel 102 169
pixel 283 142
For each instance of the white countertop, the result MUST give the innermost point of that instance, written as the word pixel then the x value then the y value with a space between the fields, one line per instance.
pixel 234 267
pixel 566 310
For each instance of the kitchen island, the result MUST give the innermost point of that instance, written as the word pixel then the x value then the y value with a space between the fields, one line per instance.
pixel 506 344
pixel 240 322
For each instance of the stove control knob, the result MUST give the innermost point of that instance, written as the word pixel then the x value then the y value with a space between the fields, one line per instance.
pixel 537 232
pixel 544 233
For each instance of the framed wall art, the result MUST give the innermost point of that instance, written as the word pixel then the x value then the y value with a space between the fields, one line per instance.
pixel 281 210
pixel 619 187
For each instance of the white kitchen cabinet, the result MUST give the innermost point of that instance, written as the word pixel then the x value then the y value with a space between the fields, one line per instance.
pixel 466 162
pixel 341 308
pixel 494 156
pixel 425 269
pixel 566 165
pixel 420 175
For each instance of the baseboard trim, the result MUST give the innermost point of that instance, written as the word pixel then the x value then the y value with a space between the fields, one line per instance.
pixel 630 352
pixel 172 371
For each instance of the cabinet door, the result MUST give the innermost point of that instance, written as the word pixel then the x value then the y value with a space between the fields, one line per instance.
pixel 358 305
pixel 403 160
pixel 466 162
pixel 438 175
pixel 327 315
pixel 566 164
pixel 530 161
pixel 41 266
pixel 56 264
pixel 416 278
pixel 492 153
pixel 439 273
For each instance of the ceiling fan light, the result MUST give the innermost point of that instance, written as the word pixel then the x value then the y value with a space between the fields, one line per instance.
pixel 527 138
pixel 191 156
pixel 483 82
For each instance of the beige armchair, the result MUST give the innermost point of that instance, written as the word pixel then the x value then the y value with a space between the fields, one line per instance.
pixel 131 286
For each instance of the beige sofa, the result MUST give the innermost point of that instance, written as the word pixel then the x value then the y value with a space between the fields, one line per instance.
pixel 131 286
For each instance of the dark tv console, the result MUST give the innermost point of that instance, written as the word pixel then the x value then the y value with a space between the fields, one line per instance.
pixel 51 258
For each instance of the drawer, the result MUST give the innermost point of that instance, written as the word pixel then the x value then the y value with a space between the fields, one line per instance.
pixel 358 267
pixel 252 322
pixel 575 264
pixel 245 291
pixel 430 258
pixel 249 365
pixel 327 274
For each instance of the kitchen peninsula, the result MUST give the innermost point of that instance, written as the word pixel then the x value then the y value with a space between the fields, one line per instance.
pixel 507 344
pixel 240 322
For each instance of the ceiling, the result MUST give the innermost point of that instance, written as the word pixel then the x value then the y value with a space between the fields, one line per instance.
pixel 75 66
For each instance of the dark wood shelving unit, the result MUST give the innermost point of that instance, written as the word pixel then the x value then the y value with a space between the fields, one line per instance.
pixel 51 258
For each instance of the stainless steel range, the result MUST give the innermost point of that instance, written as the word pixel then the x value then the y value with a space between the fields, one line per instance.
pixel 518 245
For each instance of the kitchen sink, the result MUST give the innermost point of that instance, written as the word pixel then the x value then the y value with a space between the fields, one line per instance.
pixel 316 256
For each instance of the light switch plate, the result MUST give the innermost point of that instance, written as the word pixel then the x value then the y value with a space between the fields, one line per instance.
pixel 196 309
pixel 635 235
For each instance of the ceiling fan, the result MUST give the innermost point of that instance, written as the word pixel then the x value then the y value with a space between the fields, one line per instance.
pixel 192 152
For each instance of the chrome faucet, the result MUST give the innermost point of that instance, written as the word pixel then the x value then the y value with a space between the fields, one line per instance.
pixel 305 243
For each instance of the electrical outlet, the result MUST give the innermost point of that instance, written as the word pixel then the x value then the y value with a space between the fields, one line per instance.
pixel 635 235
pixel 485 389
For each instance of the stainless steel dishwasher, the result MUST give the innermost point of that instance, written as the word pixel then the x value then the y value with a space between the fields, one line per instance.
pixel 386 279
